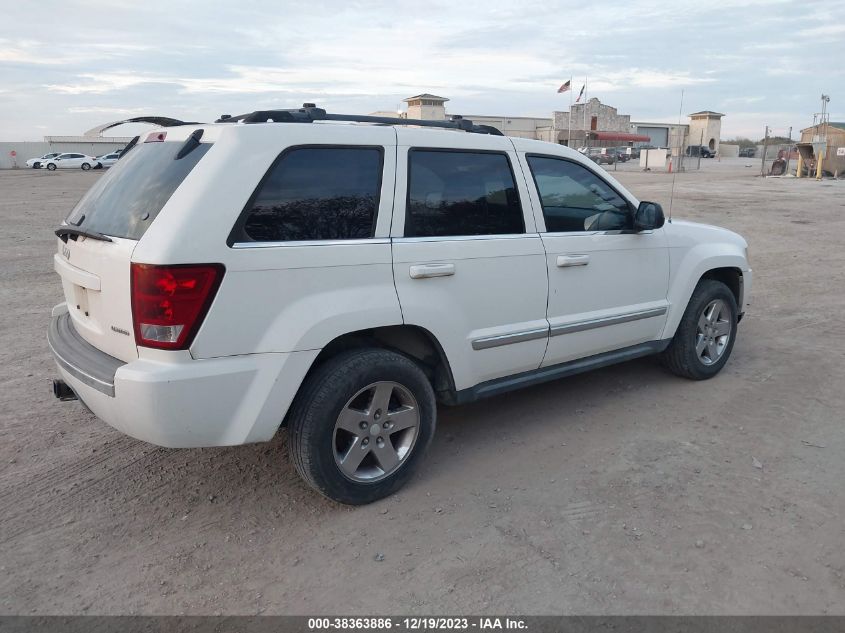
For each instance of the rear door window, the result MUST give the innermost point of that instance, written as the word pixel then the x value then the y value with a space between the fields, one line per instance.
pixel 125 201
pixel 315 193
pixel 454 193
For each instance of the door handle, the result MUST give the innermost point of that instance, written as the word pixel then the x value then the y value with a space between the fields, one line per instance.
pixel 422 271
pixel 564 261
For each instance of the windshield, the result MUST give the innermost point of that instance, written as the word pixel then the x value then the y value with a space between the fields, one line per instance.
pixel 126 200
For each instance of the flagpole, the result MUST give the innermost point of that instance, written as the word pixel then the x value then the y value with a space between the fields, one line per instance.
pixel 569 116
pixel 585 112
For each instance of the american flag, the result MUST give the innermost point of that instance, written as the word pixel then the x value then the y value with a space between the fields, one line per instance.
pixel 581 94
pixel 565 87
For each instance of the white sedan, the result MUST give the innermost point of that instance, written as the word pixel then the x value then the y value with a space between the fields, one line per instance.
pixel 35 163
pixel 107 160
pixel 70 161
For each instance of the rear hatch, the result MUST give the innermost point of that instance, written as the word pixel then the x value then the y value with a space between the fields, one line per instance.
pixel 97 239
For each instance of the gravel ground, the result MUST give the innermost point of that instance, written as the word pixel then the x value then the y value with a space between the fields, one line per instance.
pixel 626 490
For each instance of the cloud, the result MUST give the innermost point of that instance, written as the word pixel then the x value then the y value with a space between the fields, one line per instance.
pixel 488 56
pixel 640 78
pixel 129 112
pixel 825 31
pixel 37 55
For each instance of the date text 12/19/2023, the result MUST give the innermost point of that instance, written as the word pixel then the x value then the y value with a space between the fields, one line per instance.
pixel 426 623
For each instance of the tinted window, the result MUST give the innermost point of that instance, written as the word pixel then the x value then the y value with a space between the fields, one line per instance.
pixel 126 200
pixel 316 193
pixel 576 199
pixel 461 193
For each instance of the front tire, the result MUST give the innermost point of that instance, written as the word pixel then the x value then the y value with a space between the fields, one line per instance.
pixel 86 166
pixel 51 167
pixel 361 424
pixel 705 336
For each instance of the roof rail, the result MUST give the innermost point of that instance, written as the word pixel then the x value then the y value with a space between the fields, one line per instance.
pixel 309 113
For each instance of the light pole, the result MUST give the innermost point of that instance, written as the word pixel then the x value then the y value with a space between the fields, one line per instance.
pixel 788 153
pixel 825 101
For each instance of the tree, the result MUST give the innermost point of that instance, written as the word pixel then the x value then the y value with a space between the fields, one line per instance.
pixel 741 141
pixel 777 140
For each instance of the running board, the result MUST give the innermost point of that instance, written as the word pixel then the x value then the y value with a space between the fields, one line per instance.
pixel 545 374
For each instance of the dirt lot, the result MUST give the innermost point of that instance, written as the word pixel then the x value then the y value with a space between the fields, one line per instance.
pixel 626 490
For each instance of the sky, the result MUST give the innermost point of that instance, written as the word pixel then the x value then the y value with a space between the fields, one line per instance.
pixel 69 65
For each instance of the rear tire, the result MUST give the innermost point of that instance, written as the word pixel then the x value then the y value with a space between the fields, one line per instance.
pixel 361 424
pixel 705 336
pixel 51 167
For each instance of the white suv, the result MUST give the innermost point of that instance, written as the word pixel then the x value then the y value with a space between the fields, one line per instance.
pixel 282 269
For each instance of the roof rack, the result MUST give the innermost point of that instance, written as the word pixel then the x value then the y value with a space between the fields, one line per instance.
pixel 309 113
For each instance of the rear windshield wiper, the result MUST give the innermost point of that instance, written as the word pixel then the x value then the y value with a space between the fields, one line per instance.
pixel 190 145
pixel 66 231
pixel 126 149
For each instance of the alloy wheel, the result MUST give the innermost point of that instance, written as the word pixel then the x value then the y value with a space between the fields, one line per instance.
pixel 713 332
pixel 376 431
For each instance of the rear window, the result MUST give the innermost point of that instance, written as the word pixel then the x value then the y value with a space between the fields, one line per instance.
pixel 126 200
pixel 315 193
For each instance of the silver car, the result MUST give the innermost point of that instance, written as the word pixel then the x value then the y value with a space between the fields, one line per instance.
pixel 106 160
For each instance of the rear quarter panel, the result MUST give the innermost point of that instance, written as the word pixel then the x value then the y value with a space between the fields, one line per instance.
pixel 285 297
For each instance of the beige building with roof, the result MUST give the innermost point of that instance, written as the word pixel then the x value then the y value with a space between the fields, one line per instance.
pixel 705 128
pixel 591 123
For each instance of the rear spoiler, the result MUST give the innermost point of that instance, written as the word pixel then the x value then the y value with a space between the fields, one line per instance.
pixel 161 121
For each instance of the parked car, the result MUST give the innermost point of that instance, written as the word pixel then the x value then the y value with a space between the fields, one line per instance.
pixel 620 153
pixel 347 278
pixel 35 163
pixel 69 161
pixel 601 156
pixel 107 160
pixel 747 152
pixel 699 150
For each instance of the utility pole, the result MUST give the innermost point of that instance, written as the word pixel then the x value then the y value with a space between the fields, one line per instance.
pixel 765 146
pixel 788 152
pixel 823 153
pixel 825 101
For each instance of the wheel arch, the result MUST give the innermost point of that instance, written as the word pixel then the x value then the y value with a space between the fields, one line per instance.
pixel 412 341
pixel 732 277
pixel 728 269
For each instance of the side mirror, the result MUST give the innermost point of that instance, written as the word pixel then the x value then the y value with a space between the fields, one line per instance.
pixel 648 216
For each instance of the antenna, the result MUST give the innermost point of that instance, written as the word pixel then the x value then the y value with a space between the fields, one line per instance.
pixel 675 171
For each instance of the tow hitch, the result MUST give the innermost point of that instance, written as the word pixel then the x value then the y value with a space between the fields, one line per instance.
pixel 62 391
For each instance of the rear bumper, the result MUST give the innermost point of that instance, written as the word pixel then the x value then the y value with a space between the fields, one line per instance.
pixel 79 359
pixel 175 401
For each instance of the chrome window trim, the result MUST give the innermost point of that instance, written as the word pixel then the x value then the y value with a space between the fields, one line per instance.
pixel 383 240
pixel 295 243
pixel 465 238
pixel 591 324
pixel 507 339
pixel 608 232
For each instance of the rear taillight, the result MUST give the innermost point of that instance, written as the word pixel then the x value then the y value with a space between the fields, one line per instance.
pixel 169 303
